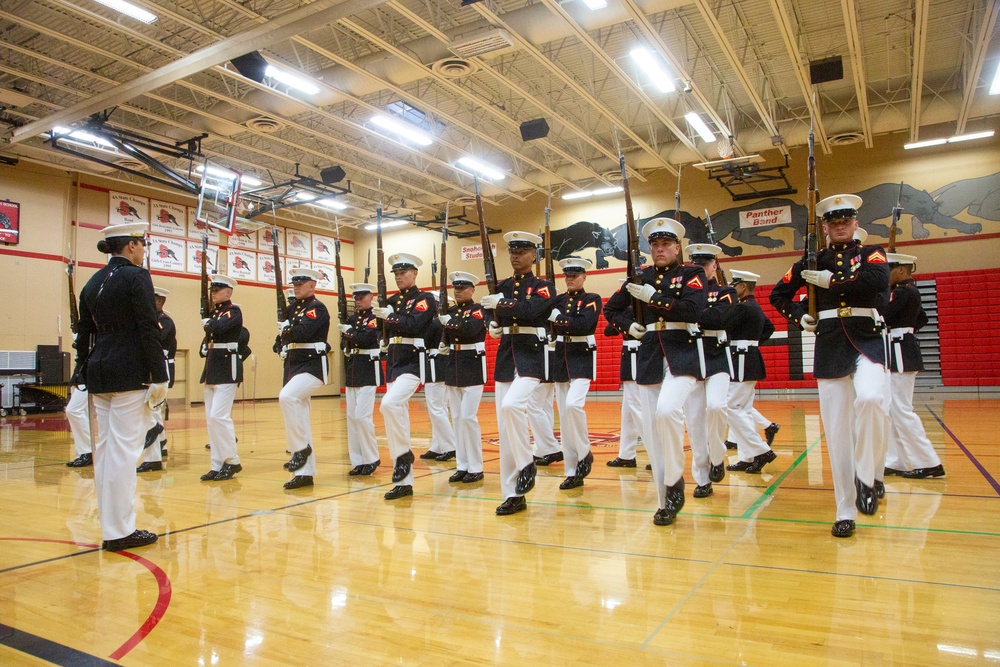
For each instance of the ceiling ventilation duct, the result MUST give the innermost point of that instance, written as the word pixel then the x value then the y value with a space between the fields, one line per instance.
pixel 481 42
pixel 129 163
pixel 454 68
pixel 846 138
pixel 265 124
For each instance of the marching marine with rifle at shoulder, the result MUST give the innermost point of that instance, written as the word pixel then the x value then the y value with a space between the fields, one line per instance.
pixel 77 412
pixel 360 338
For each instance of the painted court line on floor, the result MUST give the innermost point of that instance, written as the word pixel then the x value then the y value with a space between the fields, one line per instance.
pixel 975 462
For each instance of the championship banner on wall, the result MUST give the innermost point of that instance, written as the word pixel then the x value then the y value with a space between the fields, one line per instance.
pixel 243 240
pixel 293 263
pixel 266 240
pixel 167 218
pixel 766 217
pixel 125 208
pixel 327 276
pixel 476 251
pixel 10 222
pixel 197 229
pixel 166 254
pixel 323 248
pixel 299 244
pixel 194 258
pixel 242 264
pixel 265 268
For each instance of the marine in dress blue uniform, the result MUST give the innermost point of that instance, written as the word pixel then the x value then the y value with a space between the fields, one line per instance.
pixel 465 337
pixel 304 348
pixel 631 414
pixel 436 363
pixel 573 365
pixel 520 309
pixel 361 338
pixel 122 366
pixel 673 297
pixel 850 358
pixel 407 317
pixel 910 453
pixel 154 447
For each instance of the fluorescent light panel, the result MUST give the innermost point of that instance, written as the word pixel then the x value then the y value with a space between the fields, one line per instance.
pixel 128 9
pixel 593 193
pixel 595 4
pixel 483 168
pixel 291 80
pixel 700 127
pixel 950 140
pixel 406 131
pixel 395 223
pixel 969 137
pixel 244 179
pixel 995 86
pixel 654 70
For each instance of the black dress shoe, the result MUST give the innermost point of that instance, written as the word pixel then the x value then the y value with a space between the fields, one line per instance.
pixel 549 459
pixel 139 538
pixel 843 528
pixel 922 473
pixel 889 472
pixel 584 466
pixel 472 477
pixel 368 468
pixel 228 470
pixel 403 466
pixel 429 455
pixel 82 461
pixel 447 456
pixel 760 461
pixel 399 492
pixel 865 501
pixel 209 476
pixel 152 435
pixel 739 466
pixel 717 473
pixel 149 466
pixel 730 444
pixel 208 445
pixel 703 490
pixel 664 517
pixel 526 479
pixel 675 496
pixel 512 505
pixel 649 466
pixel 770 432
pixel 619 462
pixel 879 489
pixel 356 470
pixel 299 481
pixel 457 476
pixel 299 459
pixel 571 482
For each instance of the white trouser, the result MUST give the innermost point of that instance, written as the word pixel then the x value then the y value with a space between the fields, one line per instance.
pixel 542 420
pixel 468 435
pixel 909 447
pixel 512 401
pixel 706 416
pixel 78 415
pixel 854 410
pixel 572 397
pixel 152 454
pixel 395 409
pixel 295 402
pixel 663 435
pixel 631 427
pixel 760 422
pixel 121 430
pixel 221 431
pixel 361 445
pixel 442 432
pixel 741 421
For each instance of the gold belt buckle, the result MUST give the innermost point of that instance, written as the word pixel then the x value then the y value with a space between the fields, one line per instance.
pixel 844 312
pixel 397 340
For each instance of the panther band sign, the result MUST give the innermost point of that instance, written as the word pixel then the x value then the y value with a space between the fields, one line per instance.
pixel 10 222
pixel 766 217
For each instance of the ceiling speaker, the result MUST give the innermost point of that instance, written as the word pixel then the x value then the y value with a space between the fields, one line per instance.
pixel 827 69
pixel 332 175
pixel 251 65
pixel 534 129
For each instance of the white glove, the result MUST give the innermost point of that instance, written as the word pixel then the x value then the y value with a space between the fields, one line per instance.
pixel 383 347
pixel 283 353
pixel 344 328
pixel 284 324
pixel 808 322
pixel 74 337
pixel 495 330
pixel 443 348
pixel 818 278
pixel 641 292
pixel 554 315
pixel 444 319
pixel 382 313
pixel 636 330
pixel 490 301
pixel 205 321
pixel 156 394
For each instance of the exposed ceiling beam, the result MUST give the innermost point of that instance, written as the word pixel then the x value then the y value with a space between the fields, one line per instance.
pixel 850 11
pixel 974 66
pixel 283 27
pixel 921 11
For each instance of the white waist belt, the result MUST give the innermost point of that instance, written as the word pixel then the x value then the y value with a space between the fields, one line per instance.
pixel 718 334
pixel 668 326
pixel 631 344
pixel 742 345
pixel 534 331
pixel 899 332
pixel 224 346
pixel 372 352
pixel 316 347
pixel 479 347
pixel 577 339
pixel 399 340
pixel 848 311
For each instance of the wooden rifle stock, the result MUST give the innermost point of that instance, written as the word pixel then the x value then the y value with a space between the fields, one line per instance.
pixel 550 267
pixel 383 299
pixel 341 289
pixel 677 213
pixel 632 236
pixel 489 265
pixel 282 303
pixel 443 296
pixel 812 237
pixel 368 266
pixel 74 311
pixel 897 210
pixel 720 275
pixel 434 268
pixel 206 303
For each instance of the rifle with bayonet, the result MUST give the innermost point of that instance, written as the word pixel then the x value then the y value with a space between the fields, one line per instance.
pixel 341 289
pixel 368 266
pixel 720 275
pixel 279 291
pixel 542 251
pixel 633 267
pixel 812 237
pixel 897 211
pixel 489 265
pixel 443 296
pixel 206 301
pixel 677 212
pixel 550 267
pixel 383 299
pixel 74 311
pixel 434 268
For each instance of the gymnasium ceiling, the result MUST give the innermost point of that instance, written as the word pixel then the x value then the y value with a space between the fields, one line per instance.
pixel 917 66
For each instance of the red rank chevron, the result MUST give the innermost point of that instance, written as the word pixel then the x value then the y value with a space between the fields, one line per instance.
pixel 421 306
pixel 695 283
pixel 877 257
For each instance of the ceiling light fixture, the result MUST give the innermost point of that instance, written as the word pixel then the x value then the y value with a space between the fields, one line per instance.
pixel 405 131
pixel 593 193
pixel 128 9
pixel 291 80
pixel 653 69
pixel 595 4
pixel 700 127
pixel 330 203
pixel 244 179
pixel 949 140
pixel 995 86
pixel 397 223
pixel 482 168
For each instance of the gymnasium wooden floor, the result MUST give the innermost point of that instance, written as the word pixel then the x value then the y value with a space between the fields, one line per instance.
pixel 246 573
